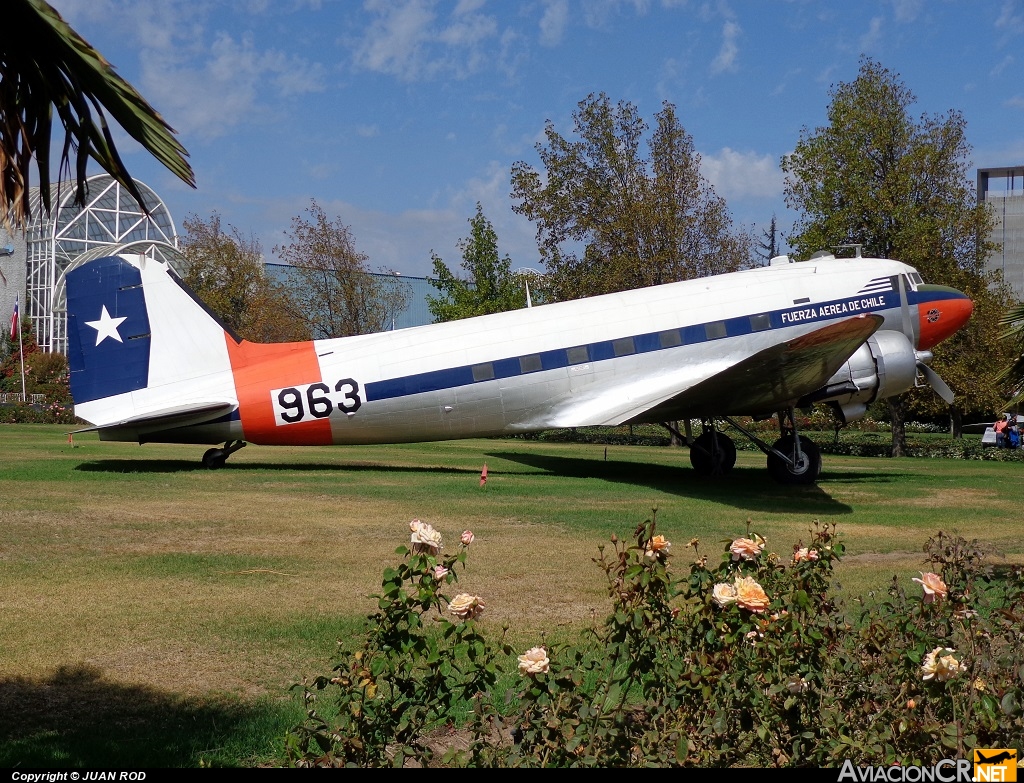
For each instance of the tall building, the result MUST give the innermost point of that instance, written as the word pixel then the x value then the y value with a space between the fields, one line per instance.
pixel 1003 188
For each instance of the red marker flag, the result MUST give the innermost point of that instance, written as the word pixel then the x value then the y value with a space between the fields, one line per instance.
pixel 483 475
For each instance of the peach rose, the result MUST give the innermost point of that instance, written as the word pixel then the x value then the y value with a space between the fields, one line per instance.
pixel 723 594
pixel 657 545
pixel 940 665
pixel 468 537
pixel 933 586
pixel 466 606
pixel 534 661
pixel 750 595
pixel 805 554
pixel 747 548
pixel 425 538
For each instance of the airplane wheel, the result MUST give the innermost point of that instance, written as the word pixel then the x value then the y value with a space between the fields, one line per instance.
pixel 214 458
pixel 805 471
pixel 717 463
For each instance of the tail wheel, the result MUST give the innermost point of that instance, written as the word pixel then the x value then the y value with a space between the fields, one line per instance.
pixel 214 458
pixel 805 467
pixel 713 459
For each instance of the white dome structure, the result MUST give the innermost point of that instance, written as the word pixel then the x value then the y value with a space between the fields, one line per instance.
pixel 110 220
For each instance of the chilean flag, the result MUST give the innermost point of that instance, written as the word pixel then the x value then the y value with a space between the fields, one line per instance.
pixel 14 320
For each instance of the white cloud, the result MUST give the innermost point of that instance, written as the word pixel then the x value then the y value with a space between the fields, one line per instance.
pixel 319 171
pixel 403 240
pixel 553 21
pixel 906 10
pixel 1010 18
pixel 204 82
pixel 737 175
pixel 1016 102
pixel 392 44
pixel 1005 63
pixel 726 59
pixel 208 97
pixel 870 39
pixel 407 40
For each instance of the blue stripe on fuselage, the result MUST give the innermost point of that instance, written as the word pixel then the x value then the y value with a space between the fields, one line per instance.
pixel 510 367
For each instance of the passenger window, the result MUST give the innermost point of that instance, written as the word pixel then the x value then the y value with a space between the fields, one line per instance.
pixel 623 347
pixel 578 355
pixel 715 331
pixel 483 372
pixel 670 338
pixel 760 322
pixel 529 363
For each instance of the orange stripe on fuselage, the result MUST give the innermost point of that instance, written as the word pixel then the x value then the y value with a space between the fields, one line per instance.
pixel 258 368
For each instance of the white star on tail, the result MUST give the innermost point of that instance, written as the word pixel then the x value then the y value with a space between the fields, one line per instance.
pixel 106 326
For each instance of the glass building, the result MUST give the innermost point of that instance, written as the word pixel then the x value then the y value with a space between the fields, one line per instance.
pixel 1003 188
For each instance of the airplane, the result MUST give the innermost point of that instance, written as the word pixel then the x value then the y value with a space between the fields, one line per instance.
pixel 150 363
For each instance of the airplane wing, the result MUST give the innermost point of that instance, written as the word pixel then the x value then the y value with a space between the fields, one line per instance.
pixel 764 382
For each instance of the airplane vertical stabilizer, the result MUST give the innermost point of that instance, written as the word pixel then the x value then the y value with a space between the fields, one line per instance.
pixel 140 345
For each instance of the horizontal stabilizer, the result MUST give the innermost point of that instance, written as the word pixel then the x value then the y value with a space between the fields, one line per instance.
pixel 169 418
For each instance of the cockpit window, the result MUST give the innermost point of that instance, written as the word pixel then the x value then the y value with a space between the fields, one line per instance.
pixel 915 278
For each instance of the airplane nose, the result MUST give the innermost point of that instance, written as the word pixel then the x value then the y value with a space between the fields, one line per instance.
pixel 941 311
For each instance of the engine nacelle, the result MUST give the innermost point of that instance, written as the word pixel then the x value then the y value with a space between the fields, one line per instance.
pixel 883 366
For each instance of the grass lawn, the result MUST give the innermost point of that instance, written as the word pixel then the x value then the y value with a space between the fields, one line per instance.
pixel 155 613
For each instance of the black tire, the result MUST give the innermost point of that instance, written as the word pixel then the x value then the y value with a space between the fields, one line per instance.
pixel 214 458
pixel 713 463
pixel 807 468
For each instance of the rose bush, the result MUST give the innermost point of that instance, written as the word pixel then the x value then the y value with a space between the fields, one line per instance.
pixel 749 661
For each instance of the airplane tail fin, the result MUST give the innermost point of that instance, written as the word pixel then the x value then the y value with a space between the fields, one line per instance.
pixel 142 348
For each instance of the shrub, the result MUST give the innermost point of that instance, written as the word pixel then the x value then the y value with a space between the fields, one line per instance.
pixel 747 661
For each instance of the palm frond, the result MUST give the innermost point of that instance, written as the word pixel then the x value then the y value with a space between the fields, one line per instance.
pixel 1013 374
pixel 47 66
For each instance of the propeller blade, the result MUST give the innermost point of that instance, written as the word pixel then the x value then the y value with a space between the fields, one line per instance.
pixel 937 384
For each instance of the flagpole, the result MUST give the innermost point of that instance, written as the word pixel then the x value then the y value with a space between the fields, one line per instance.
pixel 21 350
pixel 21 346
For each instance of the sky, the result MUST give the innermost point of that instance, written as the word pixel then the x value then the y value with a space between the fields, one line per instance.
pixel 398 116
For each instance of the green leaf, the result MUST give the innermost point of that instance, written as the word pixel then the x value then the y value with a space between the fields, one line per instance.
pixel 950 735
pixel 1009 705
pixel 682 748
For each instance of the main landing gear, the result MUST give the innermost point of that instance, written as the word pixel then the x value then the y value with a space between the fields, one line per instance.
pixel 215 458
pixel 791 459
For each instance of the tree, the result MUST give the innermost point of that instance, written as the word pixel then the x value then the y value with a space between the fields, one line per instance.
pixel 609 220
pixel 46 65
pixel 490 287
pixel 45 372
pixel 768 246
pixel 333 292
pixel 228 273
pixel 899 187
